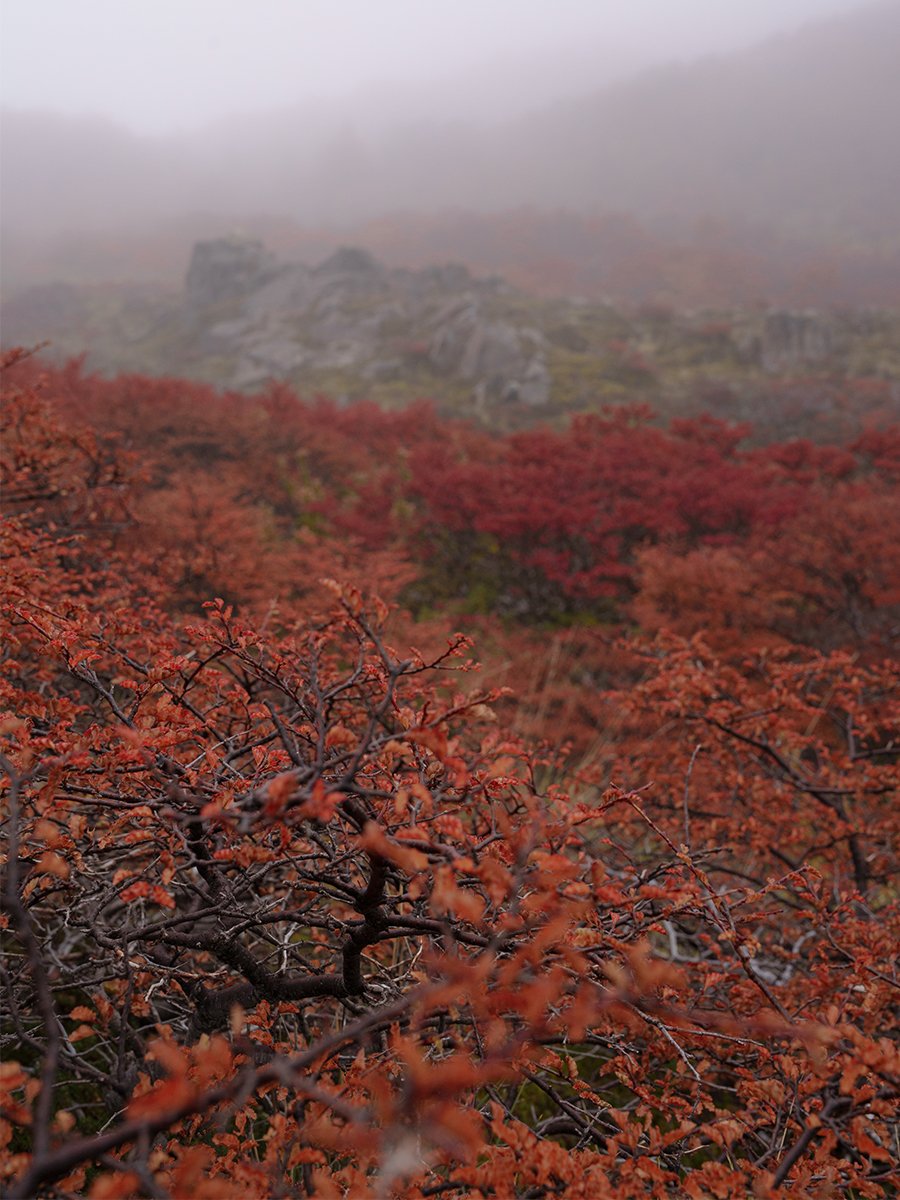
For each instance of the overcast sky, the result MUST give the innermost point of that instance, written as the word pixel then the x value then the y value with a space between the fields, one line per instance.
pixel 164 65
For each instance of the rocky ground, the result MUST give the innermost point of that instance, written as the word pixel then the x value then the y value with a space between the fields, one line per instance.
pixel 355 328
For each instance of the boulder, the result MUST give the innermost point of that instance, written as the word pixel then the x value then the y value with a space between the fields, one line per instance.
pixel 793 339
pixel 350 314
pixel 492 352
pixel 453 326
pixel 292 290
pixel 350 260
pixel 536 386
pixel 227 269
pixel 503 361
pixel 449 277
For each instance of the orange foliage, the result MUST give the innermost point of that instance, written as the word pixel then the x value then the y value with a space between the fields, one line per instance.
pixel 295 908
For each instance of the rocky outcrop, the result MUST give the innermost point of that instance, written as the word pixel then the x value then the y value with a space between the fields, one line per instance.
pixel 792 339
pixel 350 260
pixel 225 269
pixel 353 315
pixel 353 328
pixel 535 387
pixel 503 361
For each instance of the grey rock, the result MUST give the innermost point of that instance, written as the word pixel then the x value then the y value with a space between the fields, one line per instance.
pixel 536 386
pixel 383 368
pixel 454 326
pixel 278 355
pixel 352 315
pixel 493 351
pixel 451 277
pixel 292 290
pixel 226 269
pixel 342 356
pixel 792 339
pixel 227 331
pixel 350 260
pixel 452 309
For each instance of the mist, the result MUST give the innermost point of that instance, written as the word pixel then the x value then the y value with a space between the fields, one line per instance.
pixel 155 123
pixel 163 66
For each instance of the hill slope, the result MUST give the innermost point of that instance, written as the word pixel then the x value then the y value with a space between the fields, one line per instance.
pixel 796 134
pixel 353 328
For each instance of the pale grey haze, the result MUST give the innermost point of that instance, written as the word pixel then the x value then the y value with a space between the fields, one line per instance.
pixel 161 66
pixel 765 128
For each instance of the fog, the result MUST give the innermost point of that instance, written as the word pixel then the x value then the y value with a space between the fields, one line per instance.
pixel 160 66
pixel 130 129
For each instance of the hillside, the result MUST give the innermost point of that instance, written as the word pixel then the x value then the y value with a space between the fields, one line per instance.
pixel 354 328
pixel 450 600
pixel 789 147
pixel 305 901
pixel 798 134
